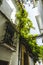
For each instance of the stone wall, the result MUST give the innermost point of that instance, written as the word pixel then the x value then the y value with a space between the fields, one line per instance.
pixel 5 53
pixel 31 62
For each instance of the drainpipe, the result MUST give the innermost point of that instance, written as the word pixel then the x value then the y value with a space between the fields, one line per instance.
pixel 20 54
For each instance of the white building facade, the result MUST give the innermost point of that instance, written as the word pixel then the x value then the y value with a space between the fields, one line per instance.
pixel 35 17
pixel 7 13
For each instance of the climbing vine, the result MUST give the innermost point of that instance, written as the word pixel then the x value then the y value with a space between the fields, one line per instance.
pixel 24 26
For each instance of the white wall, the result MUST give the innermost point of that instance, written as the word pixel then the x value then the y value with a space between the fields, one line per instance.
pixel 31 62
pixel 14 56
pixel 40 7
pixel 2 23
pixel 6 54
pixel 39 63
pixel 8 8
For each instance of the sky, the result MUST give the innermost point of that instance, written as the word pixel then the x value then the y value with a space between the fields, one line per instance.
pixel 32 13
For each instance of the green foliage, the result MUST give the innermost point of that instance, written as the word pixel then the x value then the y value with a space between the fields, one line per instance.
pixel 41 52
pixel 34 48
pixel 24 26
pixel 24 23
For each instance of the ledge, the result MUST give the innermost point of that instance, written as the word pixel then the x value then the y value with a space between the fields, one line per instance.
pixel 12 48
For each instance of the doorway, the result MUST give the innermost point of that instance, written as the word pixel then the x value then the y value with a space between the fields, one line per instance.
pixel 26 59
pixel 2 62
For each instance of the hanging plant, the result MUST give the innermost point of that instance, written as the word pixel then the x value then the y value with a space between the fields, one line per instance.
pixel 24 25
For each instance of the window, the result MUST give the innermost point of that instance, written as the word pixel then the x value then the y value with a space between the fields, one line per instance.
pixel 10 36
pixel 39 22
pixel 35 2
pixel 42 40
pixel 2 62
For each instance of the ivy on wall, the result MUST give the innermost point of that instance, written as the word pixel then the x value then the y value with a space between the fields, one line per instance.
pixel 24 26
